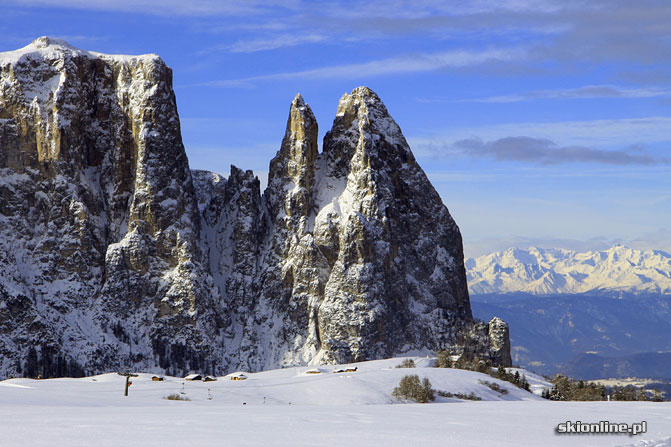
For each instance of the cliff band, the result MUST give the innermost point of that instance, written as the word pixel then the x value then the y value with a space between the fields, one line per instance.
pixel 115 255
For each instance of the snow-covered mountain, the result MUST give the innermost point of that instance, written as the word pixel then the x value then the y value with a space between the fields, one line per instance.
pixel 558 271
pixel 114 254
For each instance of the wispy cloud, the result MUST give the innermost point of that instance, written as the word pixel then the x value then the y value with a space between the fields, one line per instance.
pixel 586 92
pixel 274 25
pixel 546 152
pixel 566 32
pixel 271 43
pixel 166 7
pixel 395 65
pixel 400 11
pixel 593 133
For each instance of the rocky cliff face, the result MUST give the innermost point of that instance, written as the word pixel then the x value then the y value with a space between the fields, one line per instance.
pixel 115 255
pixel 100 263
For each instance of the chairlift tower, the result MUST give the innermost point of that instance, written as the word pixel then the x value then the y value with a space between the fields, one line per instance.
pixel 128 375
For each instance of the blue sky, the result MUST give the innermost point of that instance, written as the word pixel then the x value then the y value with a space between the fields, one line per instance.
pixel 538 122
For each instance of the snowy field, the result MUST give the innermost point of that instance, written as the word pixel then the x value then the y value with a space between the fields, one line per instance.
pixel 290 407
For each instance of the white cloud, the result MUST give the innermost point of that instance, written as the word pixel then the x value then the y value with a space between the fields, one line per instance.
pixel 546 152
pixel 394 65
pixel 340 9
pixel 271 43
pixel 417 9
pixel 164 7
pixel 589 91
pixel 596 133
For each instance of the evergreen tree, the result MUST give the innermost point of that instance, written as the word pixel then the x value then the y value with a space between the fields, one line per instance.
pixel 642 395
pixel 31 366
pixel 525 384
pixel 443 359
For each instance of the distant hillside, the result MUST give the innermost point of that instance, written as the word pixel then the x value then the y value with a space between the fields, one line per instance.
pixel 546 332
pixel 541 271
pixel 653 365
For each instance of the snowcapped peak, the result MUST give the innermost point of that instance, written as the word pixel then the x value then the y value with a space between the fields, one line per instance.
pixel 365 92
pixel 546 271
pixel 299 110
pixel 350 102
pixel 363 114
pixel 51 48
pixel 298 101
pixel 46 41
pixel 301 121
pixel 43 48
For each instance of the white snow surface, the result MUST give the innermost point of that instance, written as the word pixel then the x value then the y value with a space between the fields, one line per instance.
pixel 546 271
pixel 48 48
pixel 287 407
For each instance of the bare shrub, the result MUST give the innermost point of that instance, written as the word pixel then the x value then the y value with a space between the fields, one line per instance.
pixel 175 396
pixel 407 363
pixel 411 388
pixel 471 396
pixel 494 386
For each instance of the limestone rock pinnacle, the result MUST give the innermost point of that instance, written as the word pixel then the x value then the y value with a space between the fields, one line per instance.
pixel 115 255
pixel 292 170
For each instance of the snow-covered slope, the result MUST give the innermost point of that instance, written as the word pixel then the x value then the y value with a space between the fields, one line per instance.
pixel 371 383
pixel 549 271
pixel 288 407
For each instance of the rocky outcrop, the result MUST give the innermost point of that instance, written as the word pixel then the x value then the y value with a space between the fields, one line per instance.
pixel 115 255
pixel 396 277
pixel 99 220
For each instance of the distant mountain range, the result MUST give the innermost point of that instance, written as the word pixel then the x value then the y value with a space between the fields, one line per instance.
pixel 540 271
pixel 655 365
pixel 549 334
pixel 590 315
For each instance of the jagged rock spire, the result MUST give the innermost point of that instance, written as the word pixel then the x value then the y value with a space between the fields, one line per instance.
pixel 294 162
pixel 296 158
pixel 124 263
pixel 363 131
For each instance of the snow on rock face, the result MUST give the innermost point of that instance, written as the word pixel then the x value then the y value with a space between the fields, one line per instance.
pixel 546 271
pixel 115 255
pixel 100 261
pixel 364 260
pixel 393 243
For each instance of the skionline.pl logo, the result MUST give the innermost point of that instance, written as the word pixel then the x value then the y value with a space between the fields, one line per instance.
pixel 602 427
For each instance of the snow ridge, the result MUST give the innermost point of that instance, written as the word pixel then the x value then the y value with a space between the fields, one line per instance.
pixel 549 271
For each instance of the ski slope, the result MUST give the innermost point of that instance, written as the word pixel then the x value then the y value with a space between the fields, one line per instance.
pixel 290 407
